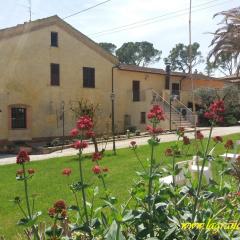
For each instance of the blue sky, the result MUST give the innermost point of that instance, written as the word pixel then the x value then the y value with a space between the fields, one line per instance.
pixel 169 26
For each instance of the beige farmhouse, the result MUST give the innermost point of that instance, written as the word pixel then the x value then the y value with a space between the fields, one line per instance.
pixel 47 66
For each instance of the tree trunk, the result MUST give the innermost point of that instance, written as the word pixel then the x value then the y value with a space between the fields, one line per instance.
pixel 95 143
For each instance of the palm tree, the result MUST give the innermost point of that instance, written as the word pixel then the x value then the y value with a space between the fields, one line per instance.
pixel 227 38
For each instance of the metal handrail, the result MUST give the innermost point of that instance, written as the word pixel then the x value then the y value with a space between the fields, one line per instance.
pixel 188 109
pixel 190 115
pixel 166 102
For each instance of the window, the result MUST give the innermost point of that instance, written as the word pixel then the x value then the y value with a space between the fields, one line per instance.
pixel 55 76
pixel 143 117
pixel 54 39
pixel 176 89
pixel 18 118
pixel 136 91
pixel 88 77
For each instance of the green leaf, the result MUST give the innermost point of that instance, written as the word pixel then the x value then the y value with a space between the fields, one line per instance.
pixel 23 221
pixel 153 142
pixel 95 223
pixel 73 208
pixel 114 232
pixel 170 232
pixel 104 219
pixel 82 227
pixel 142 234
pixel 128 216
pixel 50 231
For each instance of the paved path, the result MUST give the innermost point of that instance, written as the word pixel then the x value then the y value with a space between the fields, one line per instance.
pixel 218 131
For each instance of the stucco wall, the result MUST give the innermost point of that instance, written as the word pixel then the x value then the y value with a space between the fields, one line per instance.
pixel 25 79
pixel 124 102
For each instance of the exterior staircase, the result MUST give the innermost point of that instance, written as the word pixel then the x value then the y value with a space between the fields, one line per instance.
pixel 180 117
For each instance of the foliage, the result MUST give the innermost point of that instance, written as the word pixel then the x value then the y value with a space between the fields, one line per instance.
pixel 229 94
pixel 138 53
pixel 206 95
pixel 227 38
pixel 109 47
pixel 179 57
pixel 224 63
pixel 84 107
pixel 154 210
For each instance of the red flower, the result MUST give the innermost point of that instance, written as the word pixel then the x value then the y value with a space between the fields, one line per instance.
pixel 156 114
pixel 186 140
pixel 199 135
pixel 229 144
pixel 168 152
pixel 238 194
pixel 74 132
pixel 84 123
pixel 51 212
pixel 105 169
pixel 215 111
pixel 90 134
pixel 64 213
pixel 31 171
pixel 80 145
pixel 180 131
pixel 22 157
pixel 66 171
pixel 96 169
pixel 20 172
pixel 96 156
pixel 60 205
pixel 218 139
pixel 153 130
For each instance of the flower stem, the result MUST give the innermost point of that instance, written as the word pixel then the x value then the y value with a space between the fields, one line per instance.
pixel 83 190
pixel 27 202
pixel 76 199
pixel 138 158
pixel 173 166
pixel 201 175
pixel 150 192
pixel 26 192
pixel 20 207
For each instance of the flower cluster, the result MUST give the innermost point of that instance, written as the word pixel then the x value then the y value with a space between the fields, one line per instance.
pixel 218 139
pixel 80 144
pixel 85 123
pixel 97 170
pixel 186 140
pixel 215 111
pixel 156 114
pixel 153 130
pixel 96 156
pixel 180 131
pixel 22 157
pixel 133 145
pixel 66 171
pixel 199 135
pixel 58 210
pixel 229 144
pixel 168 152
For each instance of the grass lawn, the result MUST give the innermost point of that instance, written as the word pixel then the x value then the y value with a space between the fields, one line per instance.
pixel 49 183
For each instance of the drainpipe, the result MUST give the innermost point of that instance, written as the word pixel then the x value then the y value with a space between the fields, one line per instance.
pixel 168 70
pixel 113 110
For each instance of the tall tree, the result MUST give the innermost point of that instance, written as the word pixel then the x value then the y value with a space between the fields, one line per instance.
pixel 225 63
pixel 109 47
pixel 226 39
pixel 179 57
pixel 138 53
